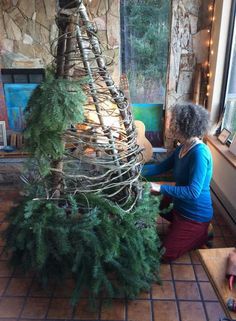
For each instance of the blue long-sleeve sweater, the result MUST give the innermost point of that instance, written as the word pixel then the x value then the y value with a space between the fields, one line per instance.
pixel 192 174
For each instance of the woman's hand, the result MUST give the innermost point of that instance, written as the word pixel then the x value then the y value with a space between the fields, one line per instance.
pixel 155 188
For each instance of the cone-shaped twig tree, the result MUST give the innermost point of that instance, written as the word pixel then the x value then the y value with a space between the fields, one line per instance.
pixel 86 212
pixel 105 145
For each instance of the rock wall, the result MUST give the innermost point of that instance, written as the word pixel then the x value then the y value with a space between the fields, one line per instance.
pixel 28 28
pixel 189 47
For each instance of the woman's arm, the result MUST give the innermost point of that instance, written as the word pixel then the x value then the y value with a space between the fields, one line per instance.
pixel 198 172
pixel 164 166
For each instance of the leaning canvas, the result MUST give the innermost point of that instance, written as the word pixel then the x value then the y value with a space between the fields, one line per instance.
pixel 17 96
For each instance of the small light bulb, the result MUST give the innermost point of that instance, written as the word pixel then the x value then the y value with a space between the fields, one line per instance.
pixel 212 52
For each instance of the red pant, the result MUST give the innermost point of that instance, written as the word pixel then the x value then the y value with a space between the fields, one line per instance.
pixel 183 235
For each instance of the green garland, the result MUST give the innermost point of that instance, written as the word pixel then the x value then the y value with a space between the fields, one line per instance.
pixel 91 238
pixel 53 107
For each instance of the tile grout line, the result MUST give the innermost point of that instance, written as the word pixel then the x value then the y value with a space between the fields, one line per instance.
pixel 200 292
pixel 126 309
pixel 176 300
pixel 152 308
pixel 26 297
pixel 50 301
pixel 10 278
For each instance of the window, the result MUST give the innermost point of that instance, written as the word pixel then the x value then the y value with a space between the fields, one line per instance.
pixel 229 85
pixel 144 42
pixel 17 76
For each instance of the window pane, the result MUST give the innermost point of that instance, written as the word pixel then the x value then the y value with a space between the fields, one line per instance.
pixel 145 32
pixel 21 78
pixel 229 120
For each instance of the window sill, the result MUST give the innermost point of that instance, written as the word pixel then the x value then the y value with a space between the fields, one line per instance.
pixel 14 154
pixel 222 149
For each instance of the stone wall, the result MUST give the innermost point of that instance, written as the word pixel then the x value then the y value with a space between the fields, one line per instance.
pixel 189 46
pixel 28 27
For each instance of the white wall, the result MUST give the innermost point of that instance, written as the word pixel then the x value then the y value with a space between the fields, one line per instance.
pixel 224 181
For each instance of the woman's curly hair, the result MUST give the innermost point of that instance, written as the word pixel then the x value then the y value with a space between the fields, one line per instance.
pixel 189 120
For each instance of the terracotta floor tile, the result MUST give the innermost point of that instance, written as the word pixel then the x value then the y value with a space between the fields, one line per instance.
pixel 208 292
pixel 165 272
pixel 139 310
pixel 6 206
pixel 230 241
pixel 65 290
pixel 219 242
pixel 116 311
pixel 200 272
pixel 85 312
pixel 5 256
pixel 18 287
pixel 195 257
pixel 144 295
pixel 10 307
pixel 184 259
pixel 3 284
pixel 183 272
pixel 38 291
pixel 217 231
pixel 5 270
pixel 214 311
pixel 192 311
pixel 227 232
pixel 164 291
pixel 187 290
pixel 60 309
pixel 35 308
pixel 165 311
pixel 28 320
pixel 38 306
pixel 3 226
pixel 2 215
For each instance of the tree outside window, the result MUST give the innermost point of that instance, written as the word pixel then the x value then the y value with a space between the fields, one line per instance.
pixel 145 34
pixel 229 118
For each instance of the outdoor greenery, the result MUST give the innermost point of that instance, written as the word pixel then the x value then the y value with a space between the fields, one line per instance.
pixel 146 25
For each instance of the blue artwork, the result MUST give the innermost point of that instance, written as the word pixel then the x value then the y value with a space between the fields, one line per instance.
pixel 152 117
pixel 16 97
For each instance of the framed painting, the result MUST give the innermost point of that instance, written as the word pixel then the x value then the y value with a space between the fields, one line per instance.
pixel 224 135
pixel 152 117
pixel 16 97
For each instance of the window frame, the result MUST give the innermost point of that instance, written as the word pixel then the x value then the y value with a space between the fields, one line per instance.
pixel 225 82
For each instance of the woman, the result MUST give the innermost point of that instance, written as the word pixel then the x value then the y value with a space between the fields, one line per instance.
pixel 192 169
